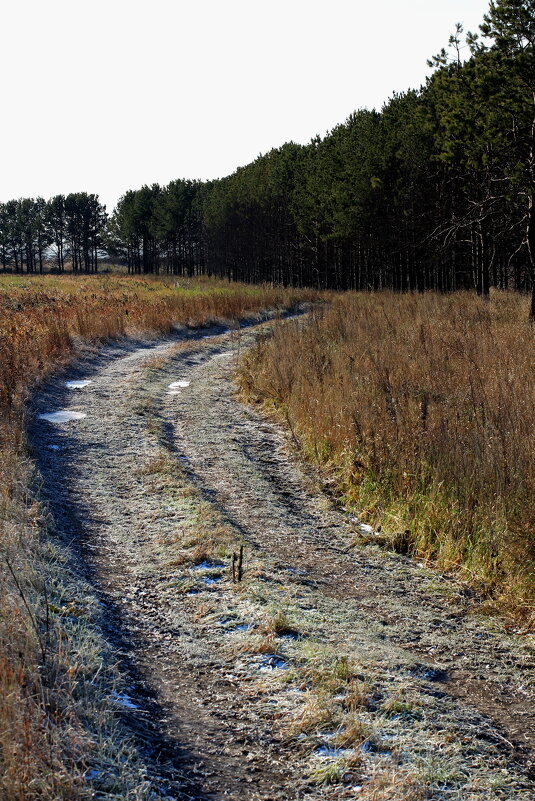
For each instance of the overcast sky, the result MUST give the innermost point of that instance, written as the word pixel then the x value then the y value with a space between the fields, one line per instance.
pixel 105 95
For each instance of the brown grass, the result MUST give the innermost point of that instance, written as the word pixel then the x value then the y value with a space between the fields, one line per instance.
pixel 421 411
pixel 43 744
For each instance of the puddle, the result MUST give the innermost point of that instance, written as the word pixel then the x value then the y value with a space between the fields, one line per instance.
pixel 192 592
pixel 178 385
pixel 62 416
pixel 77 384
pixel 206 565
pixel 125 700
pixel 53 447
pixel 272 662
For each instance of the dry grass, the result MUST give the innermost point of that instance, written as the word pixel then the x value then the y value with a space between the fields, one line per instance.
pixel 44 746
pixel 421 411
pixel 43 316
pixel 41 740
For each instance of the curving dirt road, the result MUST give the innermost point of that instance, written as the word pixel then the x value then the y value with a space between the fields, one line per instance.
pixel 332 670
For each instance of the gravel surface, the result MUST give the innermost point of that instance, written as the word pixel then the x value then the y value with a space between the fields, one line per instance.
pixel 241 690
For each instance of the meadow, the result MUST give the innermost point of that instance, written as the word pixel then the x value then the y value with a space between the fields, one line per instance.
pixel 48 690
pixel 420 412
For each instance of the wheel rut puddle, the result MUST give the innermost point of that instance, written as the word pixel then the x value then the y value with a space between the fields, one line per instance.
pixel 330 667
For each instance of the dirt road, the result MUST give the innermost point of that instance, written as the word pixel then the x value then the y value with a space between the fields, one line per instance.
pixel 332 670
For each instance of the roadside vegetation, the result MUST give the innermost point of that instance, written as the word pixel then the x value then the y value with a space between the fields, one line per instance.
pixel 52 708
pixel 420 410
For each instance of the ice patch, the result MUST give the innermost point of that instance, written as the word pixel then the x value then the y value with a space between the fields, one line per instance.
pixel 62 416
pixel 173 392
pixel 295 571
pixel 365 529
pixel 125 700
pixel 211 580
pixel 331 752
pixel 178 384
pixel 77 384
pixel 230 624
pixel 272 662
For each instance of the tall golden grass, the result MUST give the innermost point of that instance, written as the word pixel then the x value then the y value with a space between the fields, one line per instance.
pixel 43 744
pixel 421 409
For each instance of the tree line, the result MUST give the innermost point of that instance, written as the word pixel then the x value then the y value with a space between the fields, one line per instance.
pixel 435 191
pixel 65 228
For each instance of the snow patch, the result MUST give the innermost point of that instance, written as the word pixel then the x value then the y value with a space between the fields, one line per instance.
pixel 78 384
pixel 365 529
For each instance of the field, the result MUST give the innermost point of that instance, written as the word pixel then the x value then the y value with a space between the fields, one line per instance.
pixel 44 321
pixel 420 410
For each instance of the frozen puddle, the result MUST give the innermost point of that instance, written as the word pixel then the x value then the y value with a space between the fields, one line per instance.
pixel 178 385
pixel 78 384
pixel 210 580
pixel 62 416
pixel 125 700
pixel 331 752
pixel 272 662
pixel 365 529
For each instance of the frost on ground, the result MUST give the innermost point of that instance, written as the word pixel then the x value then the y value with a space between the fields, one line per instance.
pixel 332 670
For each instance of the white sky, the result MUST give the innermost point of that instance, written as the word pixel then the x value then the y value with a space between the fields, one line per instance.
pixel 105 95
